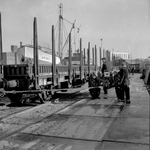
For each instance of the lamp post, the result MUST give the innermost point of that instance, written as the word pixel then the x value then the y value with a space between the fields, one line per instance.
pixel 101 43
pixel 101 54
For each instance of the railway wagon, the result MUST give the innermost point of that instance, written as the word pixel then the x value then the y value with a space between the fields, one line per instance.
pixel 40 79
pixel 19 79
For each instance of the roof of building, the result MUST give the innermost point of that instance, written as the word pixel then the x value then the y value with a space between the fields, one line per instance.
pixel 121 53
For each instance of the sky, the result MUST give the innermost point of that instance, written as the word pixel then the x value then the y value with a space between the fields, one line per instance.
pixel 123 25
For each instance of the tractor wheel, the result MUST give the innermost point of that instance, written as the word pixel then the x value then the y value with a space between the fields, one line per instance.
pixel 53 94
pixel 95 92
pixel 15 98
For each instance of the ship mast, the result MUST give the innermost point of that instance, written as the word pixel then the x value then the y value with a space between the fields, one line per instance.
pixel 60 37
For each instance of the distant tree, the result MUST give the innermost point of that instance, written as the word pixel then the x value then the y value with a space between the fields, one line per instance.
pixel 118 62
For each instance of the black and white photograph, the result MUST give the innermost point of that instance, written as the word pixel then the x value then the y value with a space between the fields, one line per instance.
pixel 74 74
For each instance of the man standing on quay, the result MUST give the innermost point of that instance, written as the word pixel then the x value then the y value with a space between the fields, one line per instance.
pixel 105 79
pixel 125 90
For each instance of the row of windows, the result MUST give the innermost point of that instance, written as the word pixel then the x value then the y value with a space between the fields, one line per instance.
pixel 15 70
pixel 45 69
pixel 124 56
pixel 24 70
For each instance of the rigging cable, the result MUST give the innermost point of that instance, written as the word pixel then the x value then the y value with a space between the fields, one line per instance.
pixel 68 35
pixel 65 36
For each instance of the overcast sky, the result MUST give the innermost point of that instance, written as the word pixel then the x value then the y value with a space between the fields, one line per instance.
pixel 124 25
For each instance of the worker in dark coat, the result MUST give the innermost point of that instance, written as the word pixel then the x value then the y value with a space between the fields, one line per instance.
pixel 105 80
pixel 104 67
pixel 124 83
pixel 132 71
pixel 117 85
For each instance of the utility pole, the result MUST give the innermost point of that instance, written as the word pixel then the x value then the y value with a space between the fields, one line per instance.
pixel 89 58
pixel 93 55
pixel 100 57
pixel 1 49
pixel 95 58
pixel 53 58
pixel 70 58
pixel 81 59
pixel 60 37
pixel 101 43
pixel 36 61
pixel 101 50
pixel 84 57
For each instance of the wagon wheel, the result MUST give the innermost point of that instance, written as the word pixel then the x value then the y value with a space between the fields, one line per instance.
pixel 53 95
pixel 15 98
pixel 45 95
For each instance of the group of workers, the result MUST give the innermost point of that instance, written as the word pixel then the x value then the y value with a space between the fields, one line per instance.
pixel 120 82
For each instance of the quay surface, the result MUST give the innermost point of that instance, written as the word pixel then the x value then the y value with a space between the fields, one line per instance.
pixel 100 124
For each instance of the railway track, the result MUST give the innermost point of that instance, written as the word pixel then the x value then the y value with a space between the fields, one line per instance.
pixel 7 108
pixel 15 117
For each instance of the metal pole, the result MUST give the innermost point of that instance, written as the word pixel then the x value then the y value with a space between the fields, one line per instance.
pixel 1 50
pixel 103 53
pixel 100 57
pixel 101 43
pixel 70 59
pixel 93 55
pixel 81 59
pixel 107 55
pixel 36 62
pixel 53 58
pixel 101 50
pixel 60 33
pixel 113 59
pixel 95 58
pixel 84 56
pixel 89 58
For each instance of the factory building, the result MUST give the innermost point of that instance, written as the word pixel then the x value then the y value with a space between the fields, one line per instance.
pixel 122 55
